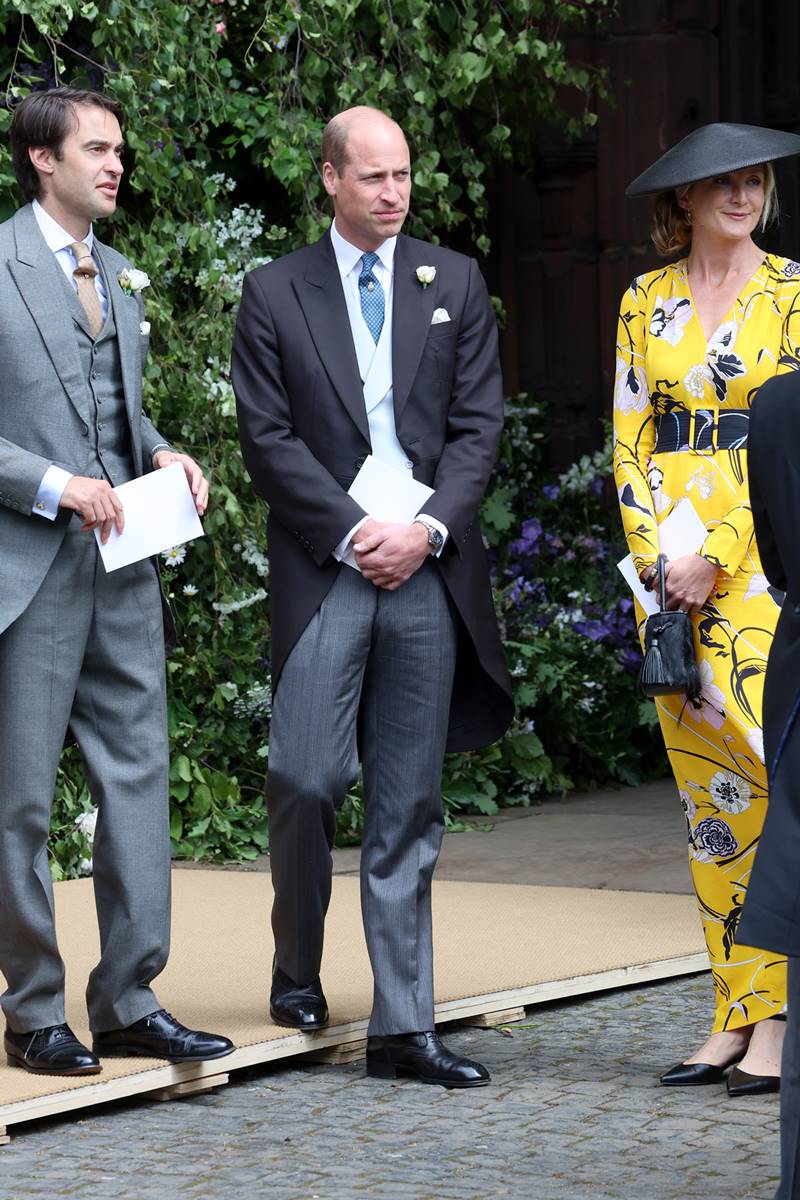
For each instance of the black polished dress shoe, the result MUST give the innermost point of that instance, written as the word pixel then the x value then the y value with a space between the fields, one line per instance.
pixel 159 1035
pixel 742 1084
pixel 695 1074
pixel 51 1051
pixel 422 1055
pixel 297 1006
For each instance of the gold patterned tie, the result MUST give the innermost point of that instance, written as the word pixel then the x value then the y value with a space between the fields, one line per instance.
pixel 84 274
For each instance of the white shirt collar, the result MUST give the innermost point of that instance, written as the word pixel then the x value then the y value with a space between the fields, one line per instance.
pixel 348 255
pixel 56 237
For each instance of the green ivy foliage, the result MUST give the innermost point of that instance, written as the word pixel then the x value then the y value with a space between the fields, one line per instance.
pixel 226 101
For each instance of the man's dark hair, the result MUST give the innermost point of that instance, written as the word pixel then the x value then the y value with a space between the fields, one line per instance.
pixel 45 119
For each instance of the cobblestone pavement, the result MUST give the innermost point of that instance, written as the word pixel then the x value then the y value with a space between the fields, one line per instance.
pixel 574 1112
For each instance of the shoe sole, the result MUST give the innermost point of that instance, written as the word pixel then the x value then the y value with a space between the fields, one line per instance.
pixel 390 1072
pixel 141 1052
pixel 13 1061
pixel 300 1028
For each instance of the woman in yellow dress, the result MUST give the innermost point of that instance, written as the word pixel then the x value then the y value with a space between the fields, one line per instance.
pixel 696 339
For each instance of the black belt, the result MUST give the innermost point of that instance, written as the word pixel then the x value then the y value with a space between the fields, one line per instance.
pixel 706 429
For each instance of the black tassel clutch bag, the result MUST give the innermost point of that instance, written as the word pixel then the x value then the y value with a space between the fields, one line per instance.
pixel 669 666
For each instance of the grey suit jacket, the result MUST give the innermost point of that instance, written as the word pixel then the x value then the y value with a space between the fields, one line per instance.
pixel 43 398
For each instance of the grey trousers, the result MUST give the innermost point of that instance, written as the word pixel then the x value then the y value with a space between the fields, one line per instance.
pixel 385 661
pixel 86 656
pixel 790 1092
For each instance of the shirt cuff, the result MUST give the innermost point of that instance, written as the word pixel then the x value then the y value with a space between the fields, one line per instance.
pixel 155 450
pixel 51 489
pixel 344 545
pixel 443 530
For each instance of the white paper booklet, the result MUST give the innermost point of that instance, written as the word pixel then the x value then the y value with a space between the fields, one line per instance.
pixel 682 532
pixel 159 513
pixel 387 494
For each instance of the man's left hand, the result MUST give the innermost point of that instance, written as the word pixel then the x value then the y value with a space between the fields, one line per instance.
pixel 389 554
pixel 194 474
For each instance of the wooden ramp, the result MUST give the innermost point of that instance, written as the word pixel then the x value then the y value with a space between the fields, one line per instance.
pixel 499 948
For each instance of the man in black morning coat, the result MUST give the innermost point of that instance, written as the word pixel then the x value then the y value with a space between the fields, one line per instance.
pixel 771 917
pixel 370 342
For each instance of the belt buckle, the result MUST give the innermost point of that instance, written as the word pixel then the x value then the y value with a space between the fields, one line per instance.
pixel 705 423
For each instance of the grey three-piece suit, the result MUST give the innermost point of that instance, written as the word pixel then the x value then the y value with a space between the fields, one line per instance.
pixel 405 673
pixel 81 652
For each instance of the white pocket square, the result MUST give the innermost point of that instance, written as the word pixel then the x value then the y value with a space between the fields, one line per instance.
pixel 144 327
pixel 440 315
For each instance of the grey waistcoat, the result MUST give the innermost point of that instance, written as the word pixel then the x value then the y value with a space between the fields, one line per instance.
pixel 108 431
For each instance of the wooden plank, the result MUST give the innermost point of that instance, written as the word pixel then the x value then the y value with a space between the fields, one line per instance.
pixel 192 1087
pixel 490 1020
pixel 337 1056
pixel 339 1038
pixel 4 1137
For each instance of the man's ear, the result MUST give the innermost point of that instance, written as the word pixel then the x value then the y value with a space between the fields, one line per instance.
pixel 42 158
pixel 329 178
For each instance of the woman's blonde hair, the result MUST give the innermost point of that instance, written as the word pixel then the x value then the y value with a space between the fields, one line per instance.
pixel 670 230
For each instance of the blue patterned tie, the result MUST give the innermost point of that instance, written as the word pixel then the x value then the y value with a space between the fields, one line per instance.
pixel 371 292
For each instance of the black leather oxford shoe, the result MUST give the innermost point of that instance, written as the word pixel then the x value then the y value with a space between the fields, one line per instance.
pixel 297 1006
pixel 422 1055
pixel 51 1051
pixel 742 1084
pixel 159 1035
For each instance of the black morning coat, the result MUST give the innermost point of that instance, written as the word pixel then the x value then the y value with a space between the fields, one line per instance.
pixel 771 917
pixel 304 434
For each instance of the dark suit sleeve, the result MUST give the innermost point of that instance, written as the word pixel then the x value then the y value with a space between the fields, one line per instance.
pixel 757 462
pixel 474 419
pixel 301 493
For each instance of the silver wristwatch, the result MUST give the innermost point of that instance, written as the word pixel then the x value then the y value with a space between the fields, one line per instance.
pixel 435 536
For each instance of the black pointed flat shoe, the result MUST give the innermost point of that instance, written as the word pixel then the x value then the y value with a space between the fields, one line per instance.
pixel 695 1074
pixel 742 1084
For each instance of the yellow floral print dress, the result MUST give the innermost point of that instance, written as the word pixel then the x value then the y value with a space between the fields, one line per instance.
pixel 681 411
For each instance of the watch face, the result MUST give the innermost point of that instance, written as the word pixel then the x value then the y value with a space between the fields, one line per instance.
pixel 435 538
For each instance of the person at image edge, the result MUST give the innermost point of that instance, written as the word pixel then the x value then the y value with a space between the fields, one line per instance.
pixel 81 651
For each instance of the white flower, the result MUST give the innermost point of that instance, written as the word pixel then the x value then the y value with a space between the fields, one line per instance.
pixel 174 556
pixel 132 280
pixel 630 393
pixel 655 477
pixel 668 319
pixel 729 792
pixel 426 275
pixel 688 805
pixel 189 589
pixel 695 380
pixel 225 608
pixel 85 866
pixel 86 823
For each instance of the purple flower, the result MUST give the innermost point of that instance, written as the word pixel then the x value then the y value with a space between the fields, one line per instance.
pixel 551 491
pixel 528 544
pixel 716 838
pixel 594 630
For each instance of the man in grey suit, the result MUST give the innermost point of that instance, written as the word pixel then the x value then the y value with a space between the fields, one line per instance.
pixel 80 651
pixel 370 342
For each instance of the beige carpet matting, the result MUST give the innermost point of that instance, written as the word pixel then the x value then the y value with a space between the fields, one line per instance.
pixel 498 946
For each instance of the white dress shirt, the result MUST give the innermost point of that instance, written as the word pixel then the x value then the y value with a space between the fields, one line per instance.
pixel 383 436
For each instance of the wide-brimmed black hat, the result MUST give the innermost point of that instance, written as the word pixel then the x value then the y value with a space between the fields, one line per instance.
pixel 714 150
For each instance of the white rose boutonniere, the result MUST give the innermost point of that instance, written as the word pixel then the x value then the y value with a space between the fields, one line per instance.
pixel 426 275
pixel 131 280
